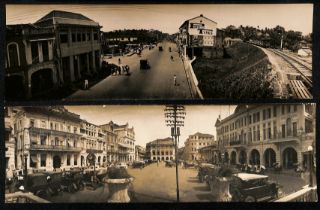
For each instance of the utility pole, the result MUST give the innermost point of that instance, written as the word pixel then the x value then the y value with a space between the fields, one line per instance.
pixel 175 115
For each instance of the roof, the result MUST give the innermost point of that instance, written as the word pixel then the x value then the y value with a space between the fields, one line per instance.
pixel 247 177
pixel 168 141
pixel 203 135
pixel 187 21
pixel 64 17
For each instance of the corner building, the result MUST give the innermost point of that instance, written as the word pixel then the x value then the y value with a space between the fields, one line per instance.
pixel 267 134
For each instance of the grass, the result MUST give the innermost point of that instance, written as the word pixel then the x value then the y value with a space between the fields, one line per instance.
pixel 243 74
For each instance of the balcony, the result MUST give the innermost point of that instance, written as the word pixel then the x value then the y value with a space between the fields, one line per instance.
pixel 284 139
pixel 94 151
pixel 20 197
pixel 54 148
pixel 53 132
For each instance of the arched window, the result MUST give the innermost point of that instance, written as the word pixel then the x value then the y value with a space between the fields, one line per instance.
pixel 13 54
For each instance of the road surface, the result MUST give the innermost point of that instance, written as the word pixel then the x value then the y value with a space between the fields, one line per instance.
pixel 156 83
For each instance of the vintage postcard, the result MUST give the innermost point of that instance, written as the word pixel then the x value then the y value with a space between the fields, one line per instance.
pixel 158 52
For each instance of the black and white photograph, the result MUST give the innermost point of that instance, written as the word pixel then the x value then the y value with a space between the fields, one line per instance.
pixel 183 153
pixel 158 51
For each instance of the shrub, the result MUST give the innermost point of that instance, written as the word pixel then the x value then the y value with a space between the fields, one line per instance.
pixel 118 173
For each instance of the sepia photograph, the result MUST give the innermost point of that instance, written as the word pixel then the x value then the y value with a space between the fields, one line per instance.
pixel 160 153
pixel 158 51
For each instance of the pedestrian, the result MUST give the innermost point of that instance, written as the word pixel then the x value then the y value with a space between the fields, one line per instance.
pixel 86 84
pixel 119 61
pixel 171 57
pixel 175 80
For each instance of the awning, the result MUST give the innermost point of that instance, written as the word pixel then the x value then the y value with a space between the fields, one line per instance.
pixel 34 159
pixel 124 145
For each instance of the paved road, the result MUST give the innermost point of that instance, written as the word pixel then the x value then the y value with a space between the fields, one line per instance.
pixel 156 83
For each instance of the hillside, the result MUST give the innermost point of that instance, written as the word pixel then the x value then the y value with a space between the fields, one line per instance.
pixel 244 74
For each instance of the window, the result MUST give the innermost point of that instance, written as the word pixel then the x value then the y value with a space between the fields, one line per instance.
pixel 274 111
pixel 83 37
pixel 88 36
pixel 13 55
pixel 74 37
pixel 75 160
pixel 283 130
pixel 33 161
pixel 34 52
pixel 45 50
pixel 258 133
pixel 282 109
pixel 295 107
pixel 274 129
pixel 31 123
pixel 43 160
pixel 43 124
pixel 264 132
pixel 269 131
pixel 95 36
pixel 43 139
pixel 294 128
pixel 63 38
pixel 68 160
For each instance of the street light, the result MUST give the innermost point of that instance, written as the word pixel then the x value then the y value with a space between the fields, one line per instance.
pixel 175 115
pixel 25 154
pixel 310 150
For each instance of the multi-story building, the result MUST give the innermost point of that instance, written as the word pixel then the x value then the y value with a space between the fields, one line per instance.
pixel 112 145
pixel 140 153
pixel 194 143
pixel 123 146
pixel 267 134
pixel 10 144
pixel 209 154
pixel 58 49
pixel 198 32
pixel 93 141
pixel 47 137
pixel 161 149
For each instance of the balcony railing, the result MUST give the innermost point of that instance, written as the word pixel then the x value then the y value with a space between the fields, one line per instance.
pixel 94 150
pixel 232 143
pixel 52 132
pixel 61 148
pixel 307 194
pixel 20 197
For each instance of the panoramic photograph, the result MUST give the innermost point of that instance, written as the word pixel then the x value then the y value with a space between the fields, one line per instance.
pixel 155 52
pixel 192 153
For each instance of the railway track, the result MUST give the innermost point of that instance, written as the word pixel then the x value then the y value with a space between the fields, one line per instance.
pixel 304 70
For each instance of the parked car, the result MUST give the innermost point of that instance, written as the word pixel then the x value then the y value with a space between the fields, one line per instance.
pixel 144 64
pixel 122 165
pixel 204 170
pixel 38 184
pixel 246 187
pixel 170 163
pixel 138 164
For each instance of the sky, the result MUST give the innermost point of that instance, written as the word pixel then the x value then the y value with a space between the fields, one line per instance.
pixel 168 18
pixel 149 121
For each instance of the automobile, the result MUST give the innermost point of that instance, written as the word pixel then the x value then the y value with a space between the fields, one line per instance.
pixel 170 163
pixel 160 48
pixel 204 170
pixel 144 64
pixel 122 165
pixel 38 184
pixel 245 187
pixel 138 164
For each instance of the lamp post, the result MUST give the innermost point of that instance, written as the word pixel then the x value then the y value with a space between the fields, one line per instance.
pixel 25 154
pixel 175 115
pixel 310 150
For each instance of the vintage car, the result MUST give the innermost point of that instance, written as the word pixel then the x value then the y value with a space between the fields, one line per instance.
pixel 122 165
pixel 205 169
pixel 246 187
pixel 38 184
pixel 170 163
pixel 138 164
pixel 144 64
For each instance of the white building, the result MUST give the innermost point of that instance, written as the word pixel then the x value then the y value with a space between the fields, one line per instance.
pixel 161 149
pixel 267 134
pixel 194 143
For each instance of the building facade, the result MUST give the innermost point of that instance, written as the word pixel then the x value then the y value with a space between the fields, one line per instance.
pixel 209 154
pixel 10 144
pixel 56 50
pixel 194 143
pixel 93 141
pixel 140 153
pixel 267 134
pixel 47 138
pixel 161 149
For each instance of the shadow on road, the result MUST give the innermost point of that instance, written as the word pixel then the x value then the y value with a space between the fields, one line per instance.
pixel 205 197
pixel 202 188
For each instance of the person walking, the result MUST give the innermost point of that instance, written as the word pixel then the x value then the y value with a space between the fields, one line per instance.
pixel 119 61
pixel 86 84
pixel 175 80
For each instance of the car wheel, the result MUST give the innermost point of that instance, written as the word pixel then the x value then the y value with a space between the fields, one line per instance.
pixel 250 199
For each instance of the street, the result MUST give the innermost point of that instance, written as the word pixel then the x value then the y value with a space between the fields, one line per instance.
pixel 157 183
pixel 155 83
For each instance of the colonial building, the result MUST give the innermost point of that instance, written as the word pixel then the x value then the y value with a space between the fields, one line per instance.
pixel 47 137
pixel 198 32
pixel 58 49
pixel 10 144
pixel 93 140
pixel 267 134
pixel 194 143
pixel 123 141
pixel 161 149
pixel 209 154
pixel 140 153
pixel 112 145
